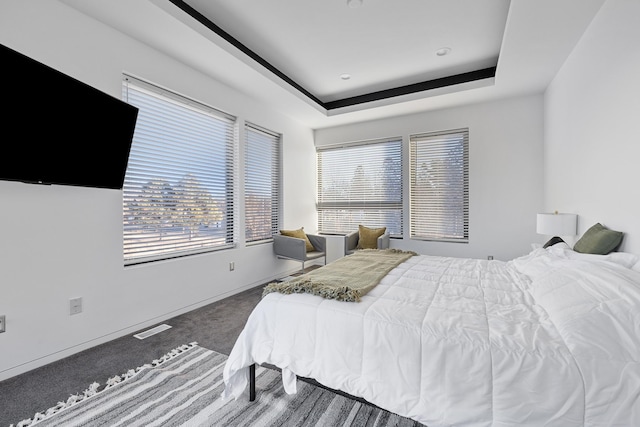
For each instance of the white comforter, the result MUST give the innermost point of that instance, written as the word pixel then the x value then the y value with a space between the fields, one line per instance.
pixel 541 340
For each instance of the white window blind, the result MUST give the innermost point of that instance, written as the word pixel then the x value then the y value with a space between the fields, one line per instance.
pixel 360 184
pixel 178 189
pixel 262 183
pixel 440 186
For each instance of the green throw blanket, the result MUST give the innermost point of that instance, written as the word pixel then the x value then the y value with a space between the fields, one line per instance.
pixel 346 279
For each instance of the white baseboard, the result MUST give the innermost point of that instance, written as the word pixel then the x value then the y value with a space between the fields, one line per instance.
pixel 53 357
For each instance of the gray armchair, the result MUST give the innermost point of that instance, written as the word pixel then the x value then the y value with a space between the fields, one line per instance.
pixel 286 247
pixel 351 242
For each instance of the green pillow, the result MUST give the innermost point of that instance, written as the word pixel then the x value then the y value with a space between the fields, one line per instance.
pixel 368 237
pixel 300 234
pixel 598 240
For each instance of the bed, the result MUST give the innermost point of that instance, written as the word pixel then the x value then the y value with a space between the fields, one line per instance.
pixel 550 338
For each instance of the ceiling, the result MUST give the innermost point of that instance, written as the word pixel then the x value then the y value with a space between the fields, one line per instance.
pixel 293 54
pixel 382 44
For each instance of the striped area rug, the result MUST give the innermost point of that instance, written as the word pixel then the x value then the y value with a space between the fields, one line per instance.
pixel 183 389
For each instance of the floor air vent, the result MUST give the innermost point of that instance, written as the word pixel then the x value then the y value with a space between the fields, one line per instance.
pixel 152 331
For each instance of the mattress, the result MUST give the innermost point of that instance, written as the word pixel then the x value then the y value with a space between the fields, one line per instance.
pixel 550 338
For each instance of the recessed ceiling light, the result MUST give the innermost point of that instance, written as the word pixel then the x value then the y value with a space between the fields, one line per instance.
pixel 354 4
pixel 443 51
pixel 345 76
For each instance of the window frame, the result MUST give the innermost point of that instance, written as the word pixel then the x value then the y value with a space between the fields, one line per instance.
pixel 275 176
pixel 447 141
pixel 158 163
pixel 395 144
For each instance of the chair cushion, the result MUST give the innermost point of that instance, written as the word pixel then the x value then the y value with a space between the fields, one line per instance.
pixel 300 234
pixel 368 237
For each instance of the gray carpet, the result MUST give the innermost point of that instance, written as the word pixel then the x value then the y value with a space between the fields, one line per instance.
pixel 215 327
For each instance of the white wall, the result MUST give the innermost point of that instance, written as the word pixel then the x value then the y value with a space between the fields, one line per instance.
pixel 592 111
pixel 64 242
pixel 505 171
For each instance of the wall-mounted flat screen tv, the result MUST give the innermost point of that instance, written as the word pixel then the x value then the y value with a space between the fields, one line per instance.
pixel 59 130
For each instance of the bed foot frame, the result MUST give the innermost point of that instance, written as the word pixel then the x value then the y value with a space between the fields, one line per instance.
pixel 252 382
pixel 252 387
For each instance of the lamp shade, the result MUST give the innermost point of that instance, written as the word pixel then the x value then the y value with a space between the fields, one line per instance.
pixel 557 224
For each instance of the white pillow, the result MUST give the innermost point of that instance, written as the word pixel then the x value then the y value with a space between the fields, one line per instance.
pixel 561 245
pixel 625 259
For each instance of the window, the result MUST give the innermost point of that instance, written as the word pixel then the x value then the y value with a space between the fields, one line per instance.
pixel 360 184
pixel 261 183
pixel 440 186
pixel 178 188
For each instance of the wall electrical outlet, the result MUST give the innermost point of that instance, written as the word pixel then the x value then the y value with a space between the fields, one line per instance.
pixel 490 257
pixel 75 306
pixel 3 323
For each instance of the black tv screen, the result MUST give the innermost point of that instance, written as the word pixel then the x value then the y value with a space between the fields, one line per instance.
pixel 59 130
